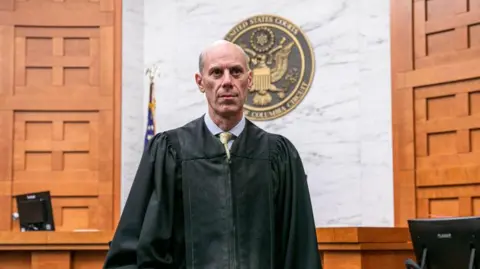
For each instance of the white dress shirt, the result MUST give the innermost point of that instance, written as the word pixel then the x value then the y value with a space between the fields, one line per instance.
pixel 215 130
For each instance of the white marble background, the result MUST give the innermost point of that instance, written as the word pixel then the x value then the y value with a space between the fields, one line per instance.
pixel 342 128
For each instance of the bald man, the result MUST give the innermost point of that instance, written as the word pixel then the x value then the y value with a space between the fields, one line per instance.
pixel 219 192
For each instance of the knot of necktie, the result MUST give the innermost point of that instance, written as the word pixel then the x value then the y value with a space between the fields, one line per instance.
pixel 224 138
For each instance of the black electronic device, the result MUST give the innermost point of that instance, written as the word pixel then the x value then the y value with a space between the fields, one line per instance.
pixel 35 211
pixel 445 243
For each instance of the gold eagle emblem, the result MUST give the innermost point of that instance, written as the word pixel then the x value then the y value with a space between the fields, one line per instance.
pixel 281 60
pixel 264 75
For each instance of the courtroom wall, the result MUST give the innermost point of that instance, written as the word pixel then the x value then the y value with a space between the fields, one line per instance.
pixel 342 128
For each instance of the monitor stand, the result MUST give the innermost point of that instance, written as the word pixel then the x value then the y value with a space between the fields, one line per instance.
pixel 34 227
pixel 410 264
pixel 471 264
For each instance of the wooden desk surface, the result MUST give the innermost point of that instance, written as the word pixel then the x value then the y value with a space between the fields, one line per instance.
pixel 327 238
pixel 364 247
pixel 363 235
pixel 340 247
pixel 55 240
pixel 366 238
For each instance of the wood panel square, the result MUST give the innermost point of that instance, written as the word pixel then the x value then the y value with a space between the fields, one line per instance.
pixel 476 206
pixel 474 4
pixel 77 46
pixel 475 140
pixel 38 161
pixel 37 76
pixel 444 207
pixel 441 107
pixel 441 42
pixel 76 130
pixel 77 76
pixel 74 218
pixel 76 160
pixel 440 8
pixel 474 103
pixel 36 130
pixel 474 35
pixel 38 47
pixel 442 143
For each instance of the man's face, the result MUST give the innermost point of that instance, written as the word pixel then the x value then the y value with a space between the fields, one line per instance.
pixel 225 79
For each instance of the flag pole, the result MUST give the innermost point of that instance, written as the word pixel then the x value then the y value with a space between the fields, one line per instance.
pixel 151 123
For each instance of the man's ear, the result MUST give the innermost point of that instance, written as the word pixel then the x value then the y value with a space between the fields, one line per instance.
pixel 199 81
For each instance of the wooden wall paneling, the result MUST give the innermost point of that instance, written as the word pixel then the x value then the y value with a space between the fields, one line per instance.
pixel 6 122
pixel 60 106
pixel 435 120
pixel 117 136
pixel 401 61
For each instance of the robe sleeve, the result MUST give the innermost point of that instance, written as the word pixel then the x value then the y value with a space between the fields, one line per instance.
pixel 295 233
pixel 154 172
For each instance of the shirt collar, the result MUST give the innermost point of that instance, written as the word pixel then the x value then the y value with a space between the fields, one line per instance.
pixel 214 129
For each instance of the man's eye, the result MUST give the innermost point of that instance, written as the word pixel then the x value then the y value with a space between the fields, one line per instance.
pixel 236 71
pixel 216 72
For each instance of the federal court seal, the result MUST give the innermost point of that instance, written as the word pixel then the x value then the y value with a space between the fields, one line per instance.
pixel 282 62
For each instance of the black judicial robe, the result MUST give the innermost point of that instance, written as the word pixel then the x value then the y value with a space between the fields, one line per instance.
pixel 189 207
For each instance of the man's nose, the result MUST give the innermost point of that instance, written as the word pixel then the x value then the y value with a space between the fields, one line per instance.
pixel 227 79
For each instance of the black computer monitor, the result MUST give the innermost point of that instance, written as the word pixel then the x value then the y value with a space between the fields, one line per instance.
pixel 35 212
pixel 445 243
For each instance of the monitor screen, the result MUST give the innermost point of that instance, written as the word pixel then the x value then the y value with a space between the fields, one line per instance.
pixel 447 242
pixel 35 211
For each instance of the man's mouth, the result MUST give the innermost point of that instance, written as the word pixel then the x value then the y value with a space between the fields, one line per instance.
pixel 228 96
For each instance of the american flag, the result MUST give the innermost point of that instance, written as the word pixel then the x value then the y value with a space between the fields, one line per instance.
pixel 151 125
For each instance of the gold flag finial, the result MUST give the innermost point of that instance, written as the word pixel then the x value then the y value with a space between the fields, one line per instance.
pixel 151 72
